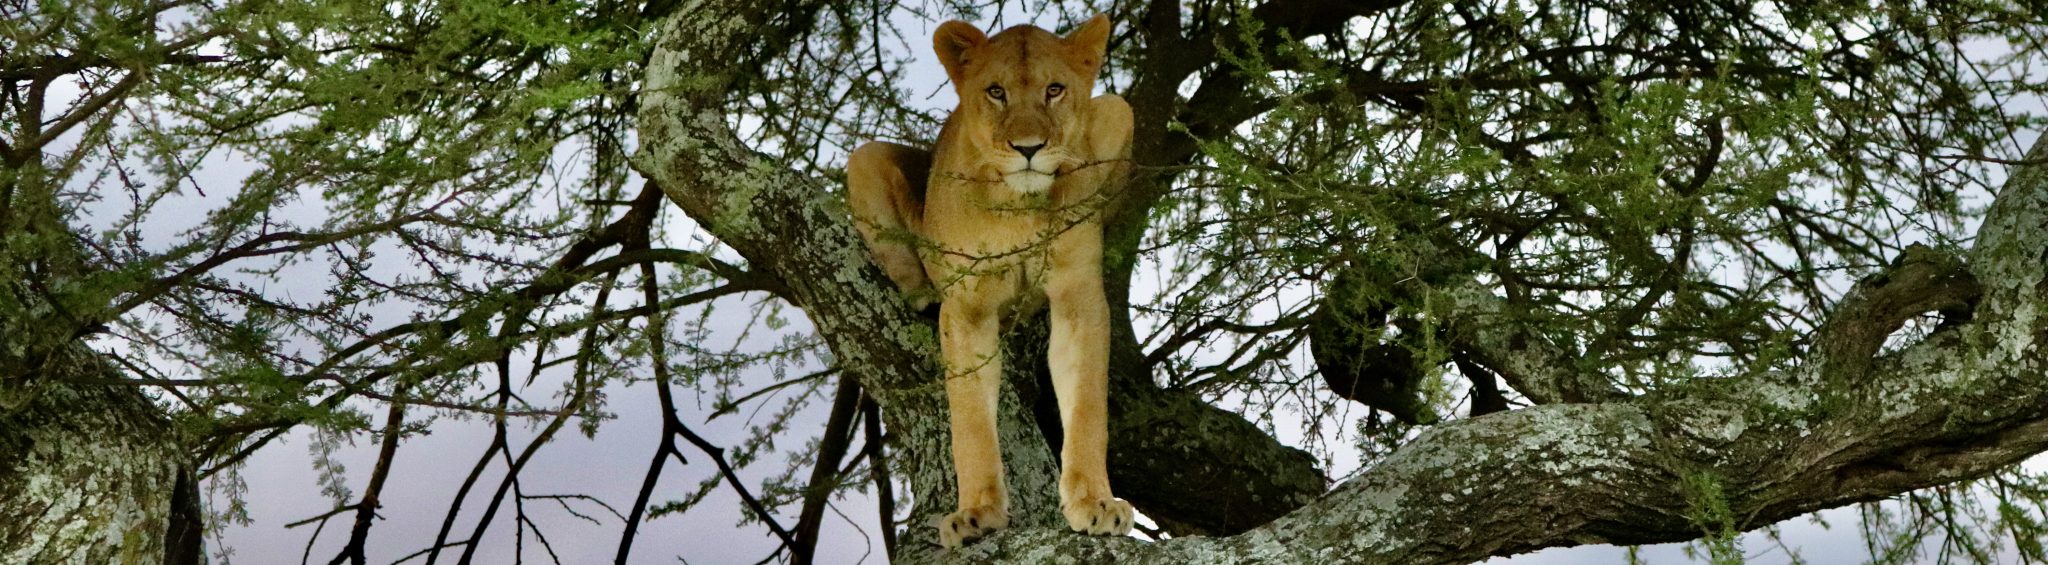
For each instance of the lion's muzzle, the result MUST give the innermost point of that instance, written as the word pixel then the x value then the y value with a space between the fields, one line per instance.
pixel 1031 166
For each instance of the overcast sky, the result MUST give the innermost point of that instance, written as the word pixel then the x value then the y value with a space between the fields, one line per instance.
pixel 427 471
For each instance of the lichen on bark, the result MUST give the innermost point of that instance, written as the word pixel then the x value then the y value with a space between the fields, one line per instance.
pixel 1590 464
pixel 87 472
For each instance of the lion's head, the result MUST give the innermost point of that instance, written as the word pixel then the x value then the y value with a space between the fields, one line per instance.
pixel 1024 96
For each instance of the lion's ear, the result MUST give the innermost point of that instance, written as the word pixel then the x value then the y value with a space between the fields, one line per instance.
pixel 953 41
pixel 1090 40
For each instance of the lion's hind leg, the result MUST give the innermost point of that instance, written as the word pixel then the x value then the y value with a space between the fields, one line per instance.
pixel 885 186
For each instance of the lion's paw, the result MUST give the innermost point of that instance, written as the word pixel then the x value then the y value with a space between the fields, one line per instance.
pixel 1098 516
pixel 970 523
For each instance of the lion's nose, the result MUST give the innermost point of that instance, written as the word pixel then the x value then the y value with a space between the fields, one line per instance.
pixel 1028 150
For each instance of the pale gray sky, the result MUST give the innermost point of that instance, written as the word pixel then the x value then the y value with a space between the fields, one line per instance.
pixel 427 471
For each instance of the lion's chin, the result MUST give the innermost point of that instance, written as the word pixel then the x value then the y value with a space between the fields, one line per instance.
pixel 1028 182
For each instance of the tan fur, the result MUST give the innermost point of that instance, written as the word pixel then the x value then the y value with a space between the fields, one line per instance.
pixel 994 233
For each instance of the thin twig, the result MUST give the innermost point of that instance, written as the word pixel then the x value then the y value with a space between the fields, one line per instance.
pixel 366 509
pixel 825 470
pixel 878 464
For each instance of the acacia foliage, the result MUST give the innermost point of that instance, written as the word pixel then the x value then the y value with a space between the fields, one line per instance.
pixel 1657 193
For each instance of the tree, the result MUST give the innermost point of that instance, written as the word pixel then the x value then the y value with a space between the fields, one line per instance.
pixel 1606 273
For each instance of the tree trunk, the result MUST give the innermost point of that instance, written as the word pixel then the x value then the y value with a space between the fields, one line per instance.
pixel 1710 457
pixel 90 473
pixel 790 225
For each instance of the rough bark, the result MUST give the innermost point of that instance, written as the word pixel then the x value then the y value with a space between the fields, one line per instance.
pixel 1195 468
pixel 794 226
pixel 786 224
pixel 89 473
pixel 1702 458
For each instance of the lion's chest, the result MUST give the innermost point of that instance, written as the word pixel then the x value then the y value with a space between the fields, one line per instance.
pixel 996 252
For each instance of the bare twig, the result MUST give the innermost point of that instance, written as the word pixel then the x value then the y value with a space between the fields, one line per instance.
pixel 825 469
pixel 366 509
pixel 878 465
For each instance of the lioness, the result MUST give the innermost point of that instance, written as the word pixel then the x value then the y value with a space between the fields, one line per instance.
pixel 1000 219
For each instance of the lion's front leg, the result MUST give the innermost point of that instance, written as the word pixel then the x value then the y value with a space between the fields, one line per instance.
pixel 1079 359
pixel 974 371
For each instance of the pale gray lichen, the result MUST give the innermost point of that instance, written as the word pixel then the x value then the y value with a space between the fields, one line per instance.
pixel 1711 422
pixel 93 481
pixel 1783 396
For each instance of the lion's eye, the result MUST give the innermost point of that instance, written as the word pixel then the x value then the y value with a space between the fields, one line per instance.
pixel 996 92
pixel 1055 90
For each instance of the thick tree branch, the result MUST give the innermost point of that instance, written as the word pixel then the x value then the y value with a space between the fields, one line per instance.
pixel 789 225
pixel 1631 470
pixel 1482 328
pixel 1701 457
pixel 1182 479
pixel 1198 469
pixel 1489 329
pixel 121 447
pixel 1920 281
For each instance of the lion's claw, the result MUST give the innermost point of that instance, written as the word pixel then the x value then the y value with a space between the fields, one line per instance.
pixel 970 523
pixel 1101 517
